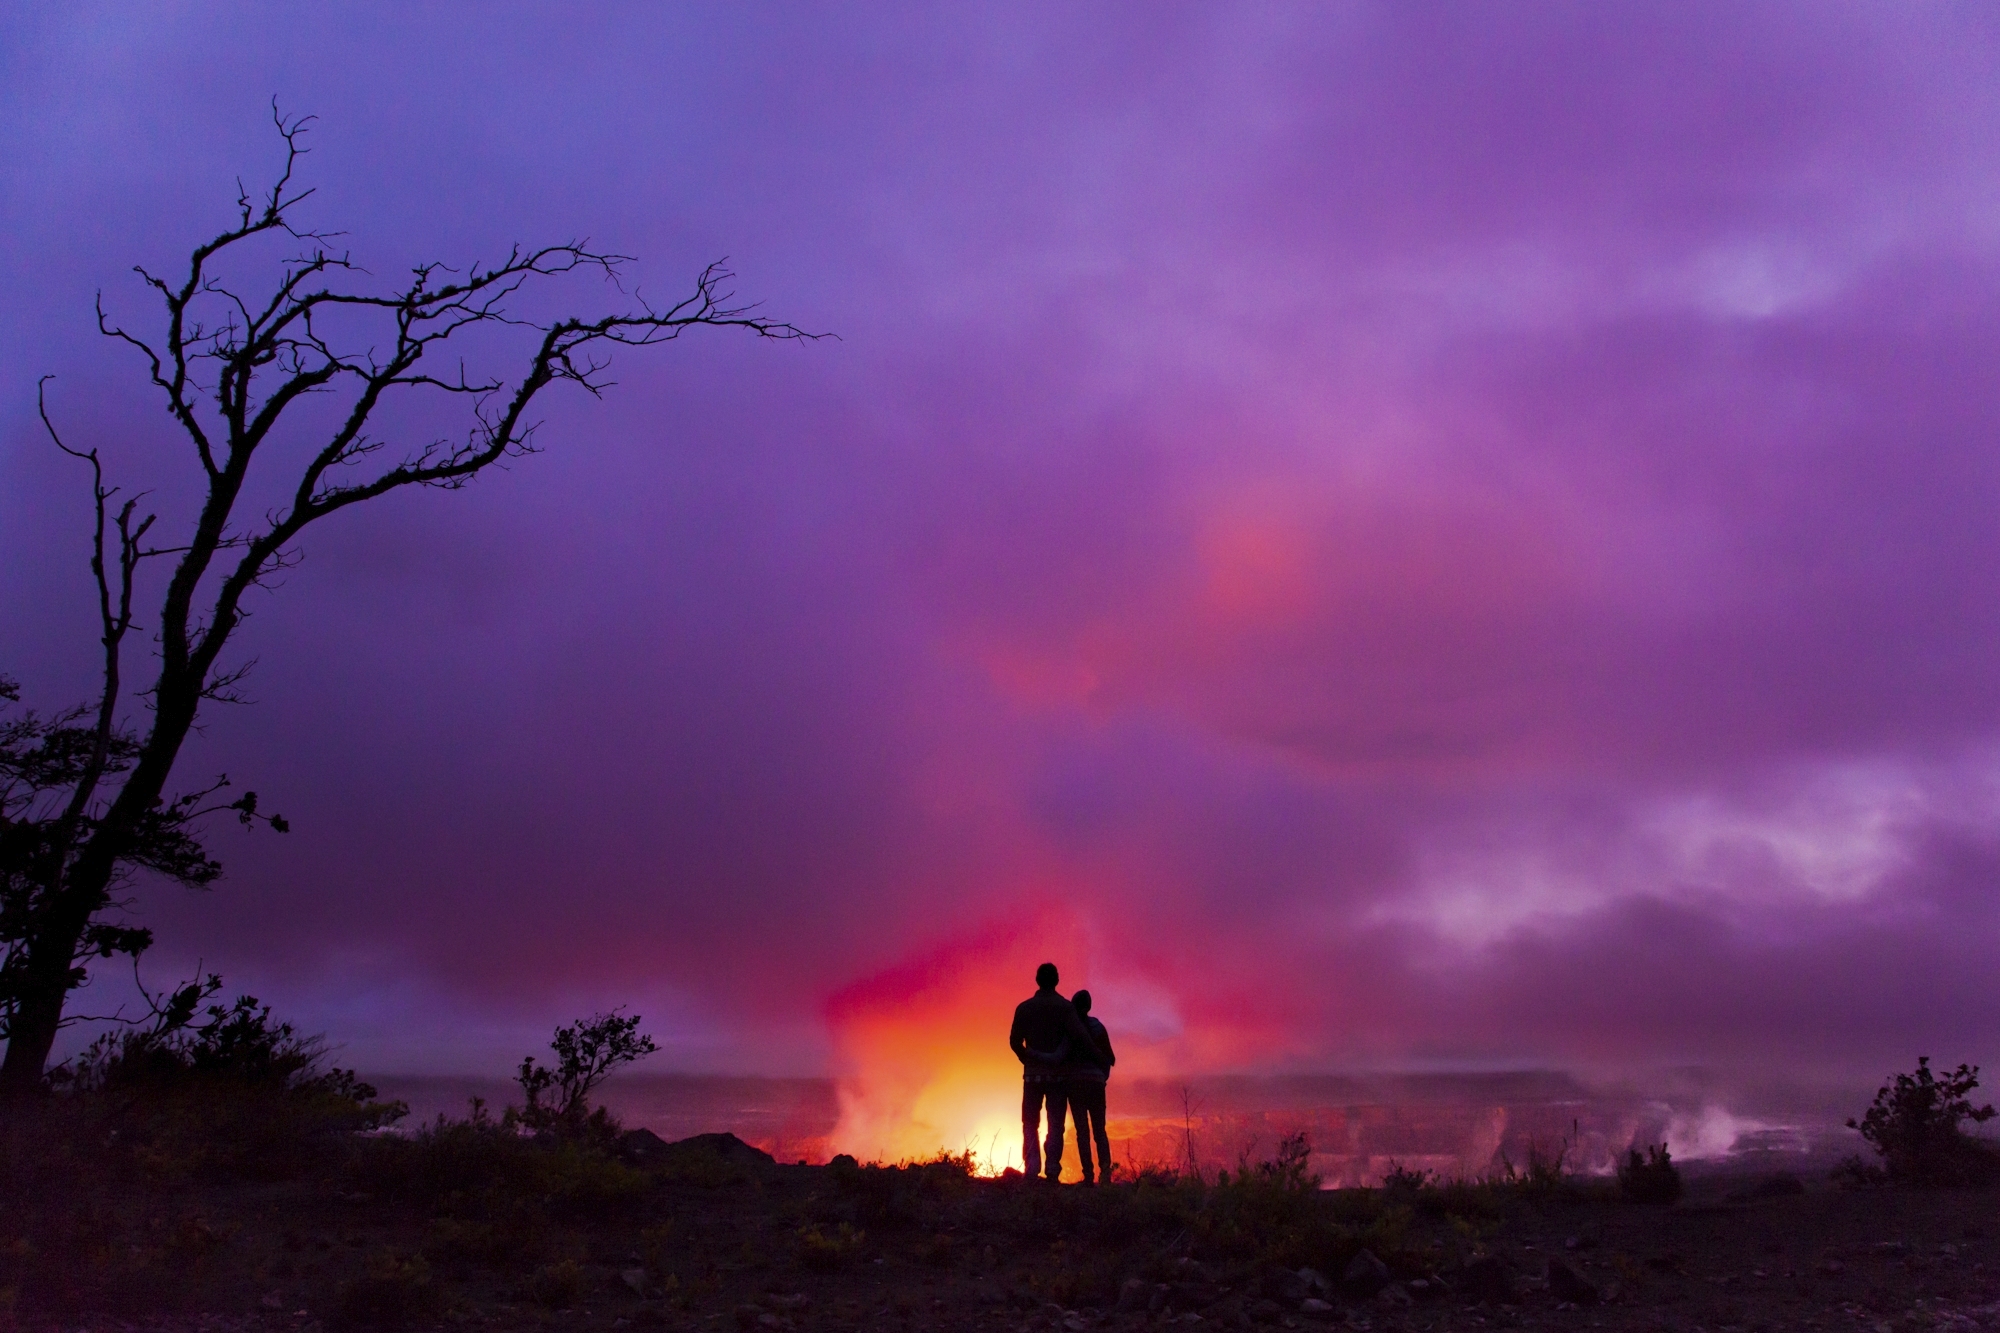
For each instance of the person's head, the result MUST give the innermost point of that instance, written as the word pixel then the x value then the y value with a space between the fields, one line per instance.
pixel 1082 1002
pixel 1046 977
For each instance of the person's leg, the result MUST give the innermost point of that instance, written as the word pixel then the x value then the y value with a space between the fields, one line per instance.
pixel 1079 1111
pixel 1052 1148
pixel 1098 1132
pixel 1031 1128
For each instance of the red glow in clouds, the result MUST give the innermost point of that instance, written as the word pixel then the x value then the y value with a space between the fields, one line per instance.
pixel 923 1047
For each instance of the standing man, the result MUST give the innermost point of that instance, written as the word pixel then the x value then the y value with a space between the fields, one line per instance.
pixel 1046 1029
pixel 1087 1072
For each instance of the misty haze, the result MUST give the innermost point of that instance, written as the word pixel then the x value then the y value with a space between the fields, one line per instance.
pixel 1024 667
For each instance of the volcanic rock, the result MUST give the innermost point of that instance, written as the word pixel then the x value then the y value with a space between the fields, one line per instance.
pixel 640 1146
pixel 1566 1284
pixel 1487 1279
pixel 1287 1287
pixel 726 1146
pixel 1365 1275
pixel 1779 1185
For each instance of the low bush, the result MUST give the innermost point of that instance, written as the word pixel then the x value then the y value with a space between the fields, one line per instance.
pixel 1915 1124
pixel 827 1248
pixel 556 1097
pixel 557 1286
pixel 1652 1178
pixel 1544 1174
pixel 1402 1182
pixel 480 1165
pixel 236 1048
pixel 508 1239
pixel 392 1293
pixel 230 1094
pixel 1273 1212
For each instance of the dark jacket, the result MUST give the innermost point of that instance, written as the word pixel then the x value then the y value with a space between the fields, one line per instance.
pixel 1047 1029
pixel 1091 1065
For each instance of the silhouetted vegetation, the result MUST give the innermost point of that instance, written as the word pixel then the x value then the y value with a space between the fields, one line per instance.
pixel 588 1051
pixel 1916 1125
pixel 49 766
pixel 1652 1178
pixel 152 1176
pixel 239 363
pixel 485 1219
pixel 146 1120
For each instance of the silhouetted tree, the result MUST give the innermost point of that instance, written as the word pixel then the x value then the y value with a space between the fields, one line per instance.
pixel 587 1052
pixel 232 366
pixel 1916 1124
pixel 46 816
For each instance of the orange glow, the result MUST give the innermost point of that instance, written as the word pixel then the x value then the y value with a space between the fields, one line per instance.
pixel 924 1046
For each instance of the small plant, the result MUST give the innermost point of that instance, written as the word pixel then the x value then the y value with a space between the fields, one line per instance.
pixel 557 1286
pixel 587 1052
pixel 1289 1167
pixel 1545 1175
pixel 1401 1180
pixel 1915 1125
pixel 1286 1169
pixel 937 1250
pixel 963 1164
pixel 235 1044
pixel 827 1248
pixel 221 1091
pixel 392 1293
pixel 658 1247
pixel 513 1237
pixel 1652 1178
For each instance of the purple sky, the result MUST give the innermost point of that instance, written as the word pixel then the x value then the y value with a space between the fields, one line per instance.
pixel 1380 534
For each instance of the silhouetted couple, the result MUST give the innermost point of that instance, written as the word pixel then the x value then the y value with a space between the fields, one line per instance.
pixel 1066 1060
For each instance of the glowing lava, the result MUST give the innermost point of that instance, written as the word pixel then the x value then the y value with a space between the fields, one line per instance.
pixel 924 1047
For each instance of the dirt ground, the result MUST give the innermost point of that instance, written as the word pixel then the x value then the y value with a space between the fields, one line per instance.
pixel 728 1242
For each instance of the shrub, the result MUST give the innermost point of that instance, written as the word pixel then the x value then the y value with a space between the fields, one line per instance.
pixel 955 1165
pixel 827 1248
pixel 236 1046
pixel 448 1162
pixel 658 1248
pixel 587 1052
pixel 1544 1174
pixel 1915 1125
pixel 391 1293
pixel 486 1166
pixel 229 1092
pixel 557 1286
pixel 1271 1211
pixel 1404 1182
pixel 512 1239
pixel 1650 1179
pixel 1289 1167
pixel 1855 1174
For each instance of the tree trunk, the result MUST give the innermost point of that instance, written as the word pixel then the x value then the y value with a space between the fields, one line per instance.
pixel 85 889
pixel 37 1019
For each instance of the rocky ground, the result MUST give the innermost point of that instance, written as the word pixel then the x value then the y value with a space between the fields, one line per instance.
pixel 711 1236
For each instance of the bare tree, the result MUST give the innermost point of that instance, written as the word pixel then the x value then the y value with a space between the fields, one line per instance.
pixel 232 368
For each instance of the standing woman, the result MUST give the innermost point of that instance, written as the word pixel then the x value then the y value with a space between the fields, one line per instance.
pixel 1087 1074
